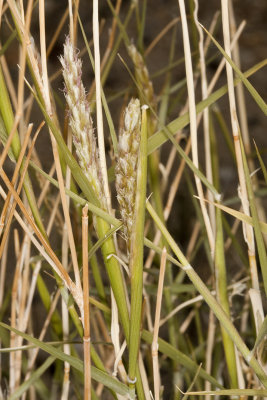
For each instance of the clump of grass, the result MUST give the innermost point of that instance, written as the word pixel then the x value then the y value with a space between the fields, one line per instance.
pixel 105 322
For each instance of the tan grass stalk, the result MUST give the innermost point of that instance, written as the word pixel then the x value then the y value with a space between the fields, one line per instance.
pixel 45 187
pixel 174 186
pixel 248 230
pixel 54 146
pixel 204 91
pixel 65 317
pixel 71 29
pixel 154 346
pixel 193 122
pixel 215 78
pixel 19 188
pixel 223 61
pixel 243 116
pixel 86 338
pixel 53 215
pixel 8 81
pixel 115 337
pixel 49 254
pixel 1 11
pixel 14 366
pixel 240 91
pixel 57 32
pixel 14 177
pixel 209 349
pixel 3 269
pixel 100 127
pixel 161 34
pixel 47 321
pixel 108 48
pixel 22 66
pixel 22 320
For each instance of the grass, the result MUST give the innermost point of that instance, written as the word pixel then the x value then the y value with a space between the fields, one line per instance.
pixel 107 295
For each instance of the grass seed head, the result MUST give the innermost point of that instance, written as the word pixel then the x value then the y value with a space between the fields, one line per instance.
pixel 126 168
pixel 80 120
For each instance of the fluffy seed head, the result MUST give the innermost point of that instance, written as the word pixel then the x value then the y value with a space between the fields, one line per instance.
pixel 80 120
pixel 126 168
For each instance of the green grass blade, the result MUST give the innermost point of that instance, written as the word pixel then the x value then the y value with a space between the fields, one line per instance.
pixel 255 218
pixel 210 300
pixel 222 295
pixel 34 376
pixel 101 241
pixel 258 99
pixel 8 119
pixel 262 333
pixel 99 376
pixel 261 163
pixel 176 355
pixel 136 255
pixel 155 141
pixel 241 216
pixel 240 393
pixel 80 200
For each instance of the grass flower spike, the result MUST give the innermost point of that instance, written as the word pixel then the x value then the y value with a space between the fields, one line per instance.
pixel 80 121
pixel 126 169
pixel 142 75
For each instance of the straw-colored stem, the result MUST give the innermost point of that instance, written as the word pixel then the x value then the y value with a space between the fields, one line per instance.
pixel 54 261
pixel 100 127
pixel 15 175
pixel 154 346
pixel 221 283
pixel 47 101
pixel 193 124
pixel 249 235
pixel 210 300
pixel 11 125
pixel 20 185
pixel 204 90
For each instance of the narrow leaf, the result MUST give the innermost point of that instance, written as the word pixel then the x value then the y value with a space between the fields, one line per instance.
pixel 76 363
pixel 34 376
pixel 256 96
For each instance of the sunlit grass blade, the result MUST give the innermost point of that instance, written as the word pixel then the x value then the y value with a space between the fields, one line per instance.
pixel 255 218
pixel 76 363
pixel 8 119
pixel 256 96
pixel 231 392
pixel 34 376
pixel 264 170
pixel 136 251
pixel 176 355
pixel 241 216
pixel 210 300
pixel 179 123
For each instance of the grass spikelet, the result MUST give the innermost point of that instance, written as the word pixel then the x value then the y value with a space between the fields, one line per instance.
pixel 142 75
pixel 80 120
pixel 126 168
